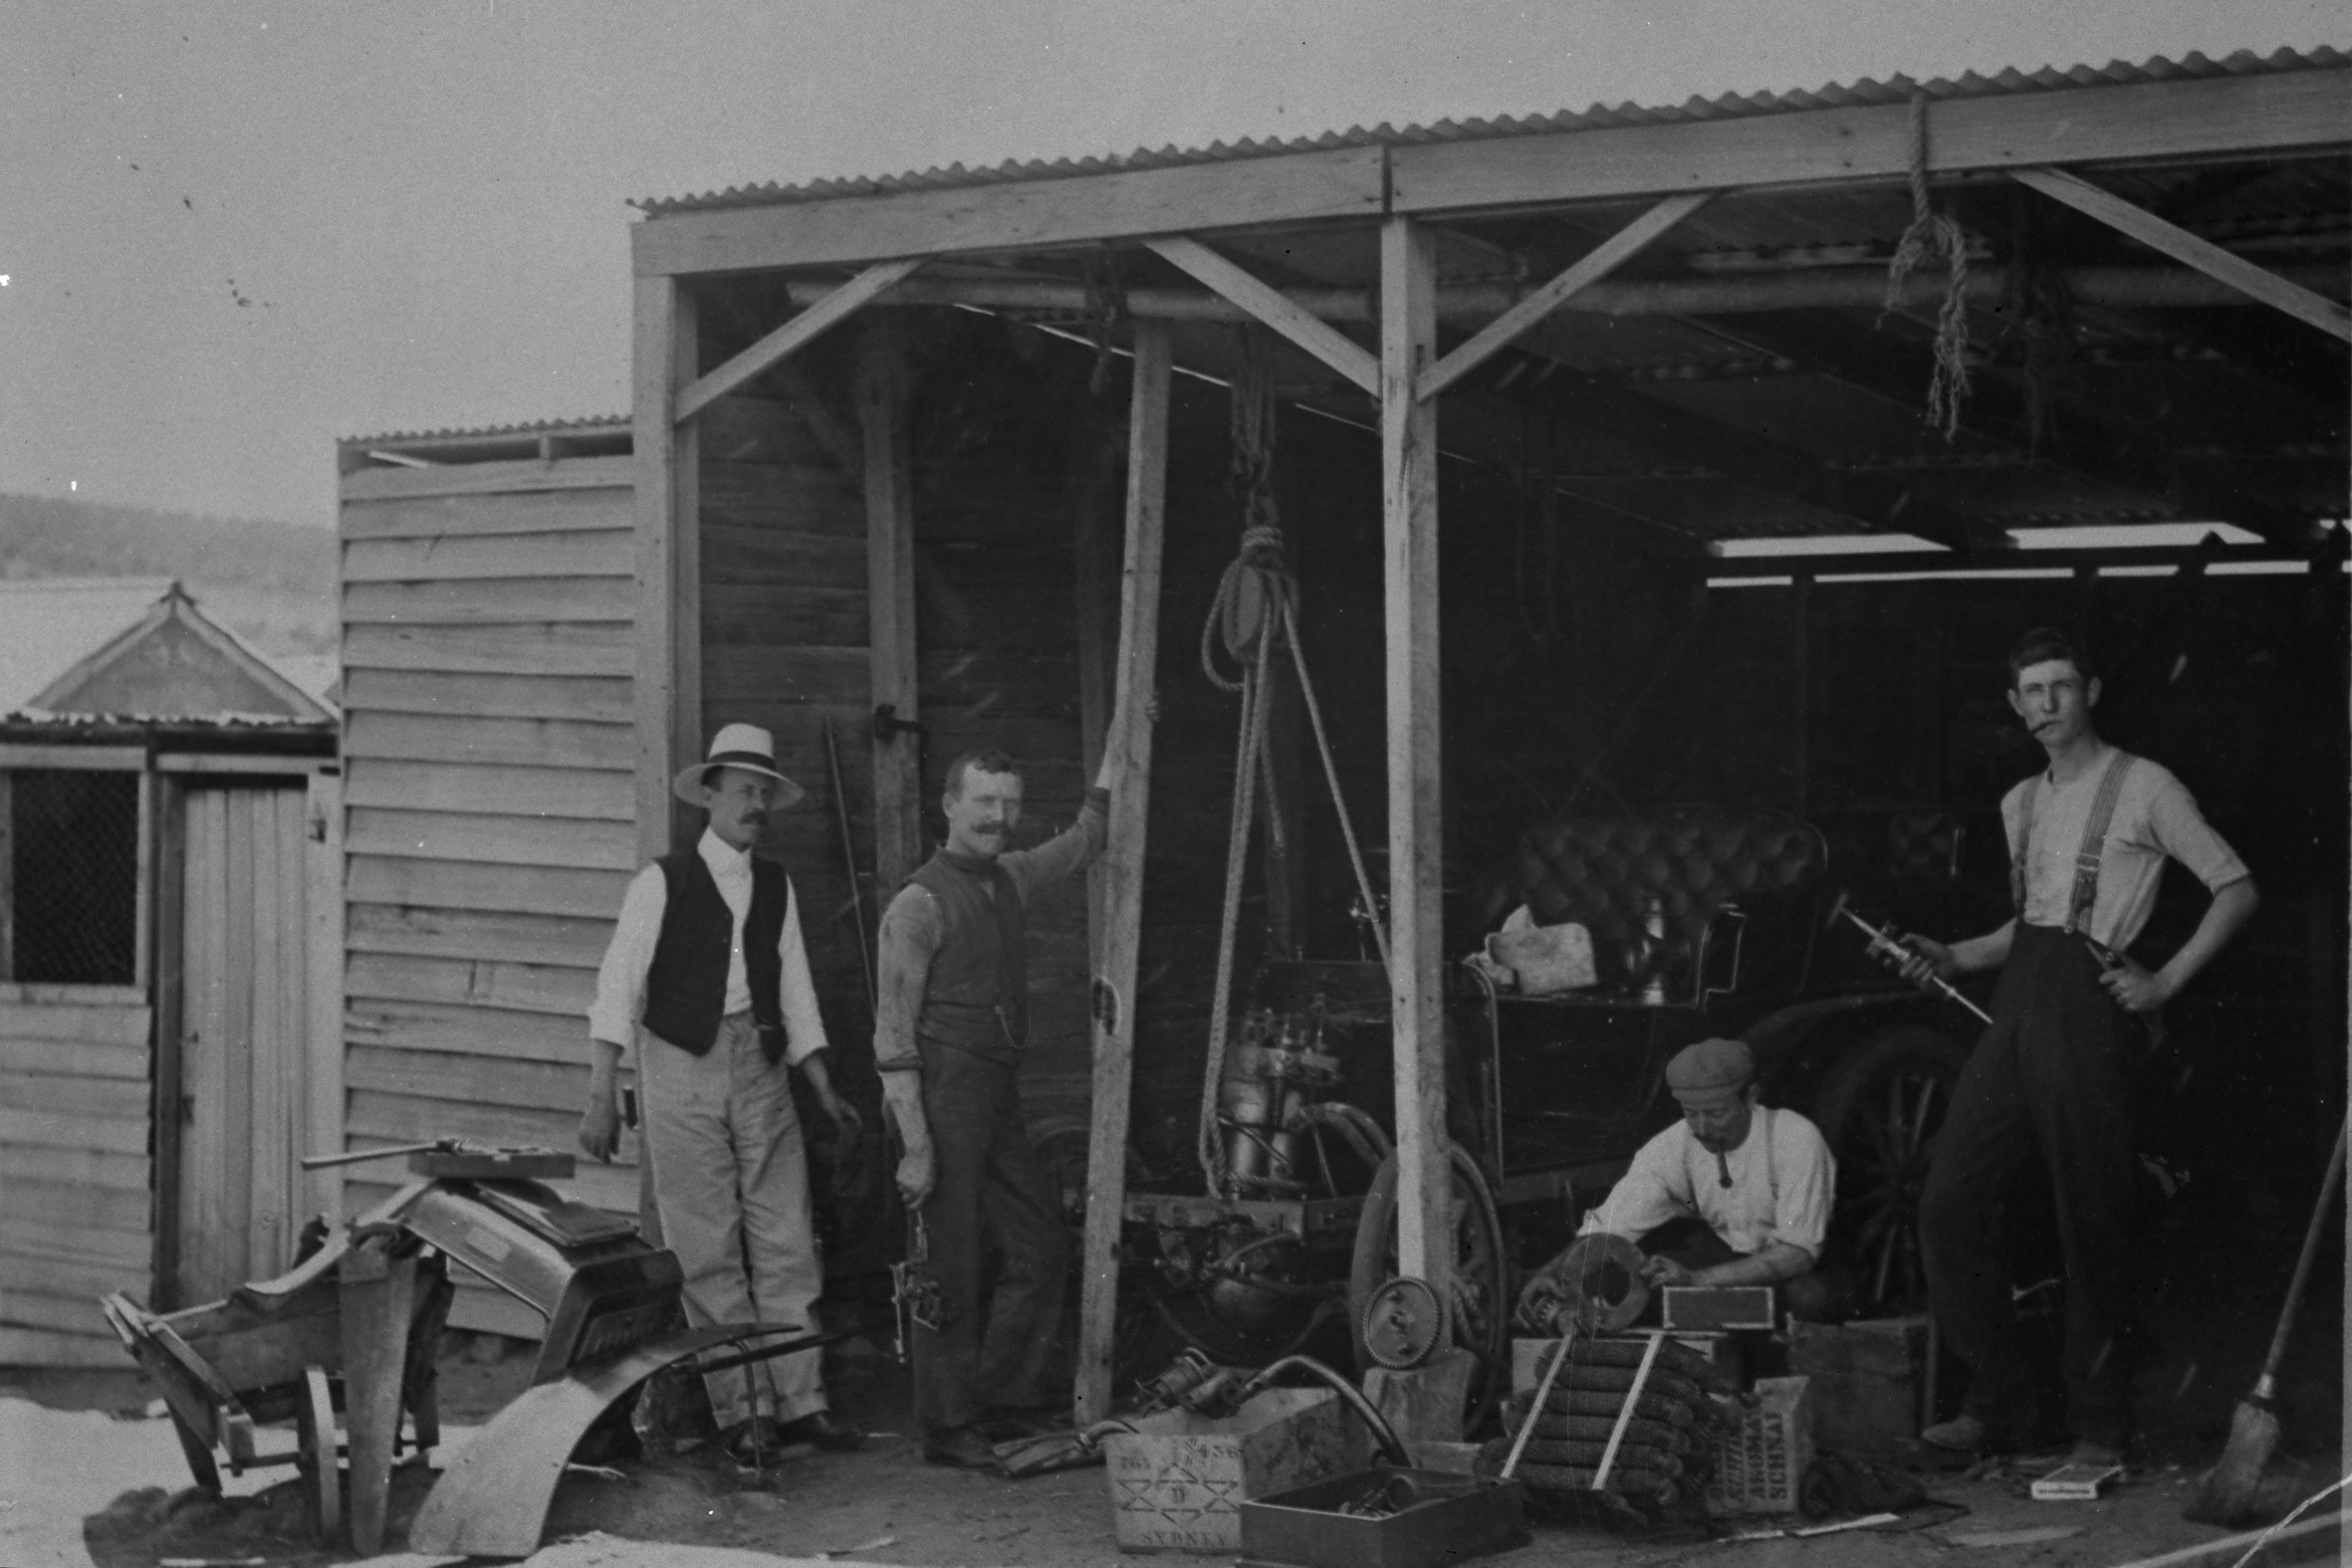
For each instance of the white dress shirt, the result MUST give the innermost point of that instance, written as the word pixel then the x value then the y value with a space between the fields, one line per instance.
pixel 620 980
pixel 1782 1179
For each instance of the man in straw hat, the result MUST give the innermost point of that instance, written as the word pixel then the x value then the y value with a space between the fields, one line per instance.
pixel 1734 1194
pixel 707 959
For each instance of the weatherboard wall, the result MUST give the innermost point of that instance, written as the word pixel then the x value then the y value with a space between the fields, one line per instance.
pixel 488 616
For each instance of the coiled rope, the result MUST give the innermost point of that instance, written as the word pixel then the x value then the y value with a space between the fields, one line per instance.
pixel 1931 233
pixel 1256 606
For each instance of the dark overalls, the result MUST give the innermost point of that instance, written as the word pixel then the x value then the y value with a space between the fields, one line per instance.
pixel 2053 1078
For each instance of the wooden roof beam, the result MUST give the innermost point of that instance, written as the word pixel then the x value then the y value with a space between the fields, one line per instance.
pixel 837 306
pixel 2170 238
pixel 1269 305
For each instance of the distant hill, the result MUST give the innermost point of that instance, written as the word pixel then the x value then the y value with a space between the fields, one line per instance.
pixel 272 583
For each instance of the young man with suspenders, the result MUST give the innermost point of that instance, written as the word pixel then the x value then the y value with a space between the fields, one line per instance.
pixel 2052 1079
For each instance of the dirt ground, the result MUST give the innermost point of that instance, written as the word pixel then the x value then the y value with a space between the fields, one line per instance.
pixel 86 1474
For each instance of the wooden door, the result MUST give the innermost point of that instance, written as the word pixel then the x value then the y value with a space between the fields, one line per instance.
pixel 243 1031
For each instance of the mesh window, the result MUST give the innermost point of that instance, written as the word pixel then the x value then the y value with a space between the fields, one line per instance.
pixel 74 855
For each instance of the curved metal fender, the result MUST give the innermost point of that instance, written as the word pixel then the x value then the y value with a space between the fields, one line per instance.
pixel 493 1500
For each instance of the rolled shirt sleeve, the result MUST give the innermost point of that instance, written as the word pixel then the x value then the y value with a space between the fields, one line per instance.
pixel 1806 1184
pixel 908 939
pixel 628 957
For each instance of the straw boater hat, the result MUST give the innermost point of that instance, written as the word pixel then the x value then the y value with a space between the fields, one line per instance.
pixel 744 746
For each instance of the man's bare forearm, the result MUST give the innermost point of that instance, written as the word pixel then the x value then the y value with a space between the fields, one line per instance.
pixel 903 1093
pixel 1778 1262
pixel 2231 907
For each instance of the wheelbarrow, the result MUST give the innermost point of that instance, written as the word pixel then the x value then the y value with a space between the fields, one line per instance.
pixel 352 1330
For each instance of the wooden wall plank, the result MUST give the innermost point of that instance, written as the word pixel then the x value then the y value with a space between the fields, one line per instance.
pixel 454 884
pixel 574 697
pixel 63 1133
pixel 111 1099
pixel 503 788
pixel 587 553
pixel 527 987
pixel 73 1060
pixel 488 516
pixel 101 1024
pixel 322 960
pixel 809 498
pixel 81 1278
pixel 1292 188
pixel 736 613
pixel 487 1032
pixel 22 1306
pixel 31 1234
pixel 72 1200
pixel 42 1347
pixel 100 1169
pixel 529 648
pixel 234 979
pixel 397 1117
pixel 498 601
pixel 204 1212
pixel 510 840
pixel 779 551
pixel 473 1078
pixel 477 479
pixel 534 743
pixel 563 941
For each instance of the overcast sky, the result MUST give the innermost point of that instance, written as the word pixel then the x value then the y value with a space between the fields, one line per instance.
pixel 233 232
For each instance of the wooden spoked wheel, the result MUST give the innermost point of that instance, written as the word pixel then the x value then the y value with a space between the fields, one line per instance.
pixel 322 1471
pixel 1477 1312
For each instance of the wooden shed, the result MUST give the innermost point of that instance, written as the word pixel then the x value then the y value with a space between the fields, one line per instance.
pixel 1606 348
pixel 165 800
pixel 489 624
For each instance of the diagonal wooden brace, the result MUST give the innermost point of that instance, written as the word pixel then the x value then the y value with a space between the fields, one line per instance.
pixel 793 335
pixel 2189 249
pixel 1589 269
pixel 1275 308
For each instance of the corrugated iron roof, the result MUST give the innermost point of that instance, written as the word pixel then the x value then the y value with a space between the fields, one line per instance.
pixel 1730 106
pixel 601 424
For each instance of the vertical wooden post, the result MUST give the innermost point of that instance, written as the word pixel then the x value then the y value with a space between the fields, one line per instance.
pixel 169 1031
pixel 1408 471
pixel 1800 689
pixel 7 875
pixel 669 589
pixel 1098 467
pixel 1121 869
pixel 890 604
pixel 323 989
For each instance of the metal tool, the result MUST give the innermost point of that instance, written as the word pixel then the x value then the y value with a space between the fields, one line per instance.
pixel 914 1294
pixel 1891 951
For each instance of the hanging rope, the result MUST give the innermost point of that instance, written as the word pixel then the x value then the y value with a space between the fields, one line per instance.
pixel 1929 234
pixel 1256 606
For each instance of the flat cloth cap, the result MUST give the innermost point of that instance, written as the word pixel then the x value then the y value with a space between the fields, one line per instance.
pixel 1709 1071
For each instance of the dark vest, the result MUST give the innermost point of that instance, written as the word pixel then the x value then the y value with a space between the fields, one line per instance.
pixel 976 996
pixel 686 988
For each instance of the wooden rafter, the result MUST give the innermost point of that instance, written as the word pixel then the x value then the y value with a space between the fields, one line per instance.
pixel 1267 303
pixel 1588 270
pixel 2189 248
pixel 802 329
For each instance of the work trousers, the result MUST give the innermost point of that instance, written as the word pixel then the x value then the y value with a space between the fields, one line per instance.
pixel 731 1183
pixel 2052 1081
pixel 1823 1294
pixel 990 1196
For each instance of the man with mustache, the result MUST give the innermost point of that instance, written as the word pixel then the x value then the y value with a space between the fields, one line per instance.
pixel 950 1028
pixel 1734 1194
pixel 2052 1079
pixel 707 958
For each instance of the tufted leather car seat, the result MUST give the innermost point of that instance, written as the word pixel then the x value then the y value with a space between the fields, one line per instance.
pixel 1603 871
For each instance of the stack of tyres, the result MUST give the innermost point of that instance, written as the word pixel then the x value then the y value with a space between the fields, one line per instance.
pixel 1665 1454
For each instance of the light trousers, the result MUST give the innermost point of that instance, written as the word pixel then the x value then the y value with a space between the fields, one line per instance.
pixel 730 1176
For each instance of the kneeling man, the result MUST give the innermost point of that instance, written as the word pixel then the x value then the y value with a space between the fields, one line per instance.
pixel 1734 1194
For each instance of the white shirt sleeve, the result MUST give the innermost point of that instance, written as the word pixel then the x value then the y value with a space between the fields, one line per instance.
pixel 803 1025
pixel 1806 1181
pixel 1646 1196
pixel 621 978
